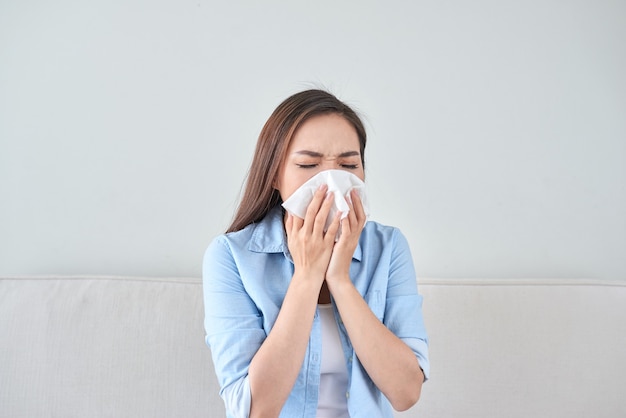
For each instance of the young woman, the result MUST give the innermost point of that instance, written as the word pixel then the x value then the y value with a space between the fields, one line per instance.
pixel 299 324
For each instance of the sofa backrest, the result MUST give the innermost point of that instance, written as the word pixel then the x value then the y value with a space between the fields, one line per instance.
pixel 104 347
pixel 134 347
pixel 525 348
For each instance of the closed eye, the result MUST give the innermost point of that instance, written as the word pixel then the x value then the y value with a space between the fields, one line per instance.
pixel 350 166
pixel 306 165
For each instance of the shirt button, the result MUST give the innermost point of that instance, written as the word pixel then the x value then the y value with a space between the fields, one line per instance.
pixel 347 394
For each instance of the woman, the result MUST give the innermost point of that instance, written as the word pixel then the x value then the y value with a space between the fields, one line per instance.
pixel 272 282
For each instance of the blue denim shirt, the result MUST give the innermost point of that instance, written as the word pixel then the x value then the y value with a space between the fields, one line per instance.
pixel 245 279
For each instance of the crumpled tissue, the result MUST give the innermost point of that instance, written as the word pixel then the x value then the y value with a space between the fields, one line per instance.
pixel 340 183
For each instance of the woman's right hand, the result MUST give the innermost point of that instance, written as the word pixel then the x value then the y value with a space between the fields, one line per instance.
pixel 309 245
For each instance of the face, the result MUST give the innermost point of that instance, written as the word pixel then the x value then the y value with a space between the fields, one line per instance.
pixel 321 143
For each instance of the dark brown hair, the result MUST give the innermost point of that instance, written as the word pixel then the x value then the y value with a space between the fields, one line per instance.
pixel 259 195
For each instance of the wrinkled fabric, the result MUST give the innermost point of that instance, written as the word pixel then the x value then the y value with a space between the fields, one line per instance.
pixel 245 278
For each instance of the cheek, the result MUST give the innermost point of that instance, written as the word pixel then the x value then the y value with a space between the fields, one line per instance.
pixel 292 182
pixel 359 173
pixel 288 185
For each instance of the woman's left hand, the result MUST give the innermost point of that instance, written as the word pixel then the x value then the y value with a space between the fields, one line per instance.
pixel 351 227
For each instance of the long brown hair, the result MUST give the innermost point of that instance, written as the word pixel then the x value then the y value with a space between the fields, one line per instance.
pixel 259 195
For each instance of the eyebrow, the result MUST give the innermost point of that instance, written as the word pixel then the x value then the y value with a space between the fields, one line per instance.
pixel 319 155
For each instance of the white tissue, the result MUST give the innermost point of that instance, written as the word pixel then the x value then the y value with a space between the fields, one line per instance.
pixel 340 183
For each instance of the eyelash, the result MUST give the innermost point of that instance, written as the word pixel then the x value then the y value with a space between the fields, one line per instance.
pixel 348 166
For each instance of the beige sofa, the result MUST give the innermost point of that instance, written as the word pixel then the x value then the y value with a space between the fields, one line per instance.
pixel 134 347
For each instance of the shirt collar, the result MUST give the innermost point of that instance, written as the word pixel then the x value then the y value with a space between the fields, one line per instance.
pixel 269 235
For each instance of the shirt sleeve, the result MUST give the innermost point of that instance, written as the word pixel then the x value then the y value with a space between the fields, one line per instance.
pixel 233 325
pixel 403 308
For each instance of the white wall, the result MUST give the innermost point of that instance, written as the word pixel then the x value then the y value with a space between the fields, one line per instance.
pixel 497 129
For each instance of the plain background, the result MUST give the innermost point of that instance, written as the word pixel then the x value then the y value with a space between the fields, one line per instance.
pixel 497 129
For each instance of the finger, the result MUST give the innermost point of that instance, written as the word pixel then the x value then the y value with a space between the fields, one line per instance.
pixel 333 228
pixel 288 222
pixel 322 214
pixel 346 228
pixel 289 227
pixel 359 209
pixel 352 217
pixel 314 206
pixel 296 222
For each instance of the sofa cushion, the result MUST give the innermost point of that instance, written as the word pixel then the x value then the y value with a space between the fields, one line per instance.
pixel 525 348
pixel 134 347
pixel 104 347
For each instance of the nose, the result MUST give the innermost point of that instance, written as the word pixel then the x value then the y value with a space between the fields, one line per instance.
pixel 330 164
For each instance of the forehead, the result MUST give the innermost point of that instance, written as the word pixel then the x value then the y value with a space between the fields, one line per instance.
pixel 325 134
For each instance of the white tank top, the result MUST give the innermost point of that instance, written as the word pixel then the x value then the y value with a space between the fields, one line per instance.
pixel 332 401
